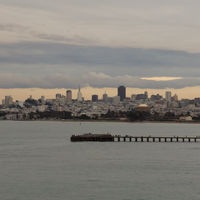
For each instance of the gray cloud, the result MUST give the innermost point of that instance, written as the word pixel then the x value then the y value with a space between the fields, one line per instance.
pixel 57 53
pixel 102 80
pixel 92 56
pixel 61 38
pixel 93 79
pixel 20 29
pixel 55 65
pixel 13 27
pixel 152 24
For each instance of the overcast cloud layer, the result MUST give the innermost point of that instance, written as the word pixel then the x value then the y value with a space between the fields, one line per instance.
pixel 64 43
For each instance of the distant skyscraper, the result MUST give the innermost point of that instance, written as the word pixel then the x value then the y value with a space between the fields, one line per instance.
pixel 122 92
pixel 168 96
pixel 105 97
pixel 146 94
pixel 175 97
pixel 68 95
pixel 58 96
pixel 94 98
pixel 8 100
pixel 79 95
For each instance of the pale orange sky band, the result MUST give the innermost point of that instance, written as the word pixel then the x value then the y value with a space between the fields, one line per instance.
pixel 22 94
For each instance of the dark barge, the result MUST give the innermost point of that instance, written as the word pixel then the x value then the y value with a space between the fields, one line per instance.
pixel 89 137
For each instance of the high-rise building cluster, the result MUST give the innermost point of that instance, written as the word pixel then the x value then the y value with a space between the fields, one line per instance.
pixel 121 96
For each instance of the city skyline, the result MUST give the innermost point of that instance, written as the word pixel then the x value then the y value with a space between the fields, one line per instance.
pixel 120 97
pixel 87 93
pixel 143 106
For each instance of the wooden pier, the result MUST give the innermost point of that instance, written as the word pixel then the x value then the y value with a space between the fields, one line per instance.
pixel 118 138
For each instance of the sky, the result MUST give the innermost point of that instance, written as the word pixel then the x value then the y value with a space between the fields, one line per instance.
pixel 152 45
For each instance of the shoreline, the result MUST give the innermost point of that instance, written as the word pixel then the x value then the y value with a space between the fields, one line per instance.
pixel 108 121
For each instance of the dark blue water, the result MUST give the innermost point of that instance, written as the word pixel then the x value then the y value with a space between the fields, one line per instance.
pixel 38 162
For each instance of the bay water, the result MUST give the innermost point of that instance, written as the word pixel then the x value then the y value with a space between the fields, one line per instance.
pixel 38 162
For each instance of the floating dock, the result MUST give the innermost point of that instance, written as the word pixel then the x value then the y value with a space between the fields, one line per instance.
pixel 118 138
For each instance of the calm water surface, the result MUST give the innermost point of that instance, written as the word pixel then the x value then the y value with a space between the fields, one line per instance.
pixel 38 162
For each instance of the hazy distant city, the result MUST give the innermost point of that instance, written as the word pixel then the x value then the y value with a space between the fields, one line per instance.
pixel 138 107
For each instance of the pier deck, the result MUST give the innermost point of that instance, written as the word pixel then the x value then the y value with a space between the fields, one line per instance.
pixel 118 138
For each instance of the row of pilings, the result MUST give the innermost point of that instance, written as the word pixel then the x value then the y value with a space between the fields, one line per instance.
pixel 118 138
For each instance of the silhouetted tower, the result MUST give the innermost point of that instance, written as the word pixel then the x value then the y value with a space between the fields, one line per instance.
pixel 79 94
pixel 94 98
pixel 105 97
pixel 122 92
pixel 68 95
